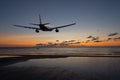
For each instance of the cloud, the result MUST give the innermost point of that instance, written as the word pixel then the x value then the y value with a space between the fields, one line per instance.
pixel 95 38
pixel 113 34
pixel 77 42
pixel 118 38
pixel 64 42
pixel 89 37
pixel 108 39
pixel 72 41
pixel 57 40
pixel 98 41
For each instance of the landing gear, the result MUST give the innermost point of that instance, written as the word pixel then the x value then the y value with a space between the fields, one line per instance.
pixel 56 30
pixel 37 31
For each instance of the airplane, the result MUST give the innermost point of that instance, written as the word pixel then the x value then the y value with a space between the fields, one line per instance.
pixel 43 27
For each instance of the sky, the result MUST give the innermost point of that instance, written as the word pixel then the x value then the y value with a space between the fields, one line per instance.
pixel 95 18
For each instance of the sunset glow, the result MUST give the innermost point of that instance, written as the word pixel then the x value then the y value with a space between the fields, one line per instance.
pixel 97 22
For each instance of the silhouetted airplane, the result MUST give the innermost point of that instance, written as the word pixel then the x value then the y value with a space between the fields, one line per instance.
pixel 43 27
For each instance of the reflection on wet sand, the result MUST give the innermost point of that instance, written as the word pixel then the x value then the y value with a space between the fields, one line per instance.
pixel 21 58
pixel 36 73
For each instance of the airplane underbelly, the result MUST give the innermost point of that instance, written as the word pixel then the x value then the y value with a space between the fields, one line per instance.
pixel 45 29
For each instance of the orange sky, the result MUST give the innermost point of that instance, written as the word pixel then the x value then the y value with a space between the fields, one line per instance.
pixel 29 41
pixel 110 43
pixel 30 44
pixel 12 42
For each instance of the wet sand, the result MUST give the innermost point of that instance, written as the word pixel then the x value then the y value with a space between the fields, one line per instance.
pixel 36 73
pixel 40 73
pixel 4 61
pixel 7 59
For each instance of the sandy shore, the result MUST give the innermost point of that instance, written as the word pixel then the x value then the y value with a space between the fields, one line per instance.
pixel 36 73
pixel 6 59
pixel 40 73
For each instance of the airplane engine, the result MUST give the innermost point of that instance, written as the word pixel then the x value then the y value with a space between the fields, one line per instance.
pixel 56 30
pixel 37 31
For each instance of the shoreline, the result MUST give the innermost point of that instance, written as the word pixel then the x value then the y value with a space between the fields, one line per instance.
pixel 4 61
pixel 40 55
pixel 36 73
pixel 7 59
pixel 41 73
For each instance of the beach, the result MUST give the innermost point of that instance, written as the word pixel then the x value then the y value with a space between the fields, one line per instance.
pixel 36 73
pixel 40 73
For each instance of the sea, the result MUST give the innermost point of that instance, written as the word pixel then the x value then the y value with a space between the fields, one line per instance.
pixel 86 50
pixel 102 68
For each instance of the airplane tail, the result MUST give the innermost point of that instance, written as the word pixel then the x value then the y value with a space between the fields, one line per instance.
pixel 40 19
pixel 40 22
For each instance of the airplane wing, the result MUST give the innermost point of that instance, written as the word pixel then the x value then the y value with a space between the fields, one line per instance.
pixel 35 24
pixel 26 27
pixel 64 26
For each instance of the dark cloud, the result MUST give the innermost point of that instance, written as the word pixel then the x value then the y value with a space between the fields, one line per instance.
pixel 72 41
pixel 95 38
pixel 75 43
pixel 92 38
pixel 98 41
pixel 118 38
pixel 57 40
pixel 113 34
pixel 89 37
pixel 64 42
pixel 108 39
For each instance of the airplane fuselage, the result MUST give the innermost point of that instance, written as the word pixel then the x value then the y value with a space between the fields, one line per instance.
pixel 45 28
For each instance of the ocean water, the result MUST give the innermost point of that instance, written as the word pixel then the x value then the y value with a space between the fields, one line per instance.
pixel 112 50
